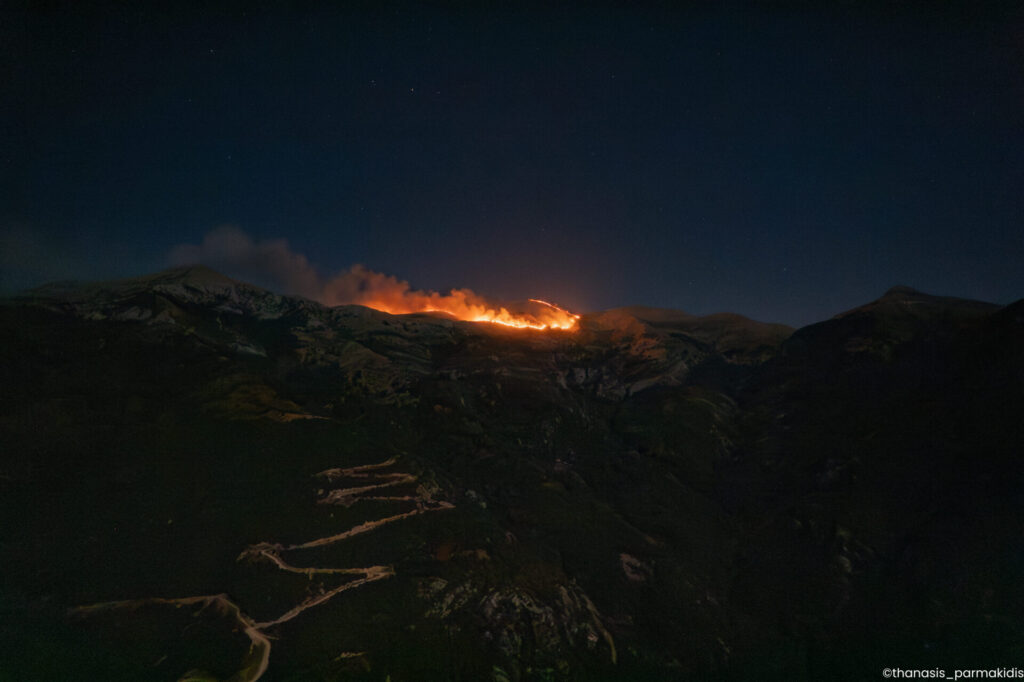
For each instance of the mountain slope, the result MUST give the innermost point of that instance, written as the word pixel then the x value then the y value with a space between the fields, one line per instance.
pixel 654 496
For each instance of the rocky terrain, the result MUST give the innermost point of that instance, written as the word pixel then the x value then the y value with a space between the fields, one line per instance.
pixel 201 479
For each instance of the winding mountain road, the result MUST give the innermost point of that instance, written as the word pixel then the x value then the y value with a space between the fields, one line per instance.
pixel 257 659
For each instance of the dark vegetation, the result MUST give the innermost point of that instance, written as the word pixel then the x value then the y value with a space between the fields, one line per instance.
pixel 736 502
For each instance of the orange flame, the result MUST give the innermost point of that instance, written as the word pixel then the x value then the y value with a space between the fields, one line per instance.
pixel 389 294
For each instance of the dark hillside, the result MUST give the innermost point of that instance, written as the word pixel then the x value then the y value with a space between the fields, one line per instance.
pixel 199 477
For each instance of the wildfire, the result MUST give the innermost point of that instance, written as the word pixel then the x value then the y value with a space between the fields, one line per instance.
pixel 231 249
pixel 546 316
pixel 391 295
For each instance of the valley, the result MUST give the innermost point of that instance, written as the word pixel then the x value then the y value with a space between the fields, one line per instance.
pixel 204 480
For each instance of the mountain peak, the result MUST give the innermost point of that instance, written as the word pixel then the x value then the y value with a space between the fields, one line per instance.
pixel 133 297
pixel 196 276
pixel 902 290
pixel 192 276
pixel 187 271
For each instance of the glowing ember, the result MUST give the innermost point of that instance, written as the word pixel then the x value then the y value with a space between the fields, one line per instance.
pixel 549 316
pixel 391 295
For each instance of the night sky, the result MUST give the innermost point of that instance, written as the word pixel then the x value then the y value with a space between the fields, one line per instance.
pixel 781 162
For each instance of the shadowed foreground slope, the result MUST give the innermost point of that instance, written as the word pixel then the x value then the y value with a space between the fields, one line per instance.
pixel 654 496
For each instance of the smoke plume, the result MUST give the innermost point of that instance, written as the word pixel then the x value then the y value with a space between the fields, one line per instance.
pixel 272 263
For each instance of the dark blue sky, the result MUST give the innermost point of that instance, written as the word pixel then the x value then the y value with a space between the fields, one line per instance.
pixel 777 162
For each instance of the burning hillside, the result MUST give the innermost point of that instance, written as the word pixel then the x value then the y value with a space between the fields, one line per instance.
pixel 389 294
pixel 273 263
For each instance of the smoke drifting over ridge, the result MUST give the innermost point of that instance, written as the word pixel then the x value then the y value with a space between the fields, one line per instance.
pixel 272 263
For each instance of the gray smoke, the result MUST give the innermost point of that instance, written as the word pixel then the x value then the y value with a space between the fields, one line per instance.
pixel 270 263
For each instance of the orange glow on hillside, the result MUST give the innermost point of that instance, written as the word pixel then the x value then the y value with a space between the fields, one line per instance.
pixel 391 295
pixel 547 315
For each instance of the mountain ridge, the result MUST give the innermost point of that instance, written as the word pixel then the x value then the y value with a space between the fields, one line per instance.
pixel 200 277
pixel 653 496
